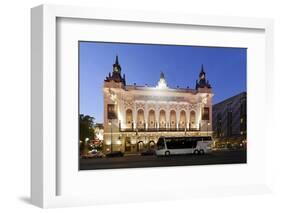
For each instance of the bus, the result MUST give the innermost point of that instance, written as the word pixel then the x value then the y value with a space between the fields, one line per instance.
pixel 198 145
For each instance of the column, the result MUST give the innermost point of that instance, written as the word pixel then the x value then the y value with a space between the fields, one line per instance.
pixel 177 118
pixel 134 116
pixel 167 115
pixel 157 115
pixel 145 116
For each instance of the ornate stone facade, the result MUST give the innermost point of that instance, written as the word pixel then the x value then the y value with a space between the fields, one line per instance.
pixel 136 116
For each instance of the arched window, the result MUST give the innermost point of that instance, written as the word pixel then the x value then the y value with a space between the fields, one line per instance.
pixel 140 119
pixel 129 118
pixel 151 119
pixel 151 145
pixel 162 119
pixel 173 119
pixel 182 119
pixel 192 119
pixel 140 146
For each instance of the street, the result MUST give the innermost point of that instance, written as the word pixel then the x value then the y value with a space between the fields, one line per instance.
pixel 137 161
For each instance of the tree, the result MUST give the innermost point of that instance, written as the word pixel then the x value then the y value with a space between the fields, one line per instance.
pixel 86 125
pixel 86 131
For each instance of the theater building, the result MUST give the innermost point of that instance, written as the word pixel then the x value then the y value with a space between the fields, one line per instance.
pixel 135 116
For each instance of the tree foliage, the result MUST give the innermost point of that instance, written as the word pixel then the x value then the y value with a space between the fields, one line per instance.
pixel 86 125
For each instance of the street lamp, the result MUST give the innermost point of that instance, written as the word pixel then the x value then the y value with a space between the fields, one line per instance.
pixel 111 142
pixel 208 128
pixel 86 146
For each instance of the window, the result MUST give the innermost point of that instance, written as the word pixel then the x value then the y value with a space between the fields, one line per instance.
pixel 192 142
pixel 169 143
pixel 173 119
pixel 207 138
pixel 182 119
pixel 219 125
pixel 243 114
pixel 129 116
pixel 192 117
pixel 140 119
pixel 127 144
pixel 175 143
pixel 205 114
pixel 162 119
pixel 160 144
pixel 111 113
pixel 229 123
pixel 188 143
pixel 151 119
pixel 229 120
pixel 243 107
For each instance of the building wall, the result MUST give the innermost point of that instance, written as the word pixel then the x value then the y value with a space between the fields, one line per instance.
pixel 230 118
pixel 165 107
pixel 136 116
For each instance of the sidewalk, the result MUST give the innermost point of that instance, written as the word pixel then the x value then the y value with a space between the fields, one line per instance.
pixel 132 154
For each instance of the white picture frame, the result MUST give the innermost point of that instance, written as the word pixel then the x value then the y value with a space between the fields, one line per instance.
pixel 44 150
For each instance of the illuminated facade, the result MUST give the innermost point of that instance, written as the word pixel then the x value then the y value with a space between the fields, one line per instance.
pixel 99 132
pixel 136 116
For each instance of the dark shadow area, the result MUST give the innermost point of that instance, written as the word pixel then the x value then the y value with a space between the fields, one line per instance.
pixel 26 200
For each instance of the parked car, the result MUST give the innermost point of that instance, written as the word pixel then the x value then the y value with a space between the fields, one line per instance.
pixel 148 152
pixel 97 154
pixel 93 154
pixel 115 154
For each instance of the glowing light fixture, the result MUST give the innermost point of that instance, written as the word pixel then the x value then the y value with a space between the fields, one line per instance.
pixel 162 84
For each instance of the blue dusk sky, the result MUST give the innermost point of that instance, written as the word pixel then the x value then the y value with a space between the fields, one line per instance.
pixel 142 63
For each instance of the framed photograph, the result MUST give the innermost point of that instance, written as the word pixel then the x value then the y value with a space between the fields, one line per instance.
pixel 158 123
pixel 148 105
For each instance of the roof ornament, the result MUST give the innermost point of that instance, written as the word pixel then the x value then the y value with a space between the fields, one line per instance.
pixel 203 82
pixel 162 84
pixel 116 65
pixel 116 60
pixel 116 73
pixel 202 73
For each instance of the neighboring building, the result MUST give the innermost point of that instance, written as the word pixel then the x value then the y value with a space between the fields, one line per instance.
pixel 230 119
pixel 136 116
pixel 99 130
